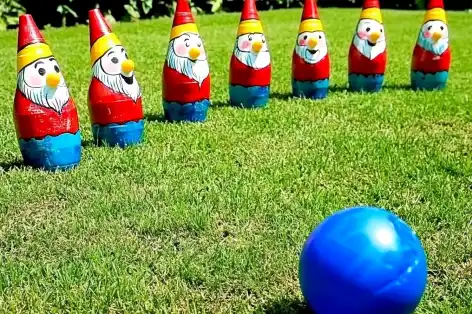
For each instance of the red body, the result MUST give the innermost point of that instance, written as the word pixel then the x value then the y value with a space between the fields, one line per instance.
pixel 359 64
pixel 241 74
pixel 302 71
pixel 428 62
pixel 179 88
pixel 34 121
pixel 106 106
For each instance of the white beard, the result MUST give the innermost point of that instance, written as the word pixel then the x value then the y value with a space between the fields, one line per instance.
pixel 302 52
pixel 368 51
pixel 52 98
pixel 116 83
pixel 437 48
pixel 256 61
pixel 196 70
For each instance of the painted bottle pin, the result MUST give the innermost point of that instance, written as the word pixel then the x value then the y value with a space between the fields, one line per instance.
pixel 250 68
pixel 432 54
pixel 368 52
pixel 114 97
pixel 310 61
pixel 186 74
pixel 45 115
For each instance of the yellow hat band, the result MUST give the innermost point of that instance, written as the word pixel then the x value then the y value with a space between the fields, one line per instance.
pixel 31 53
pixel 436 14
pixel 102 45
pixel 183 28
pixel 373 14
pixel 250 26
pixel 310 25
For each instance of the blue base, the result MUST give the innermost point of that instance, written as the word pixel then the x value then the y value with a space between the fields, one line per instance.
pixel 310 89
pixel 60 152
pixel 249 97
pixel 122 135
pixel 190 112
pixel 429 81
pixel 366 83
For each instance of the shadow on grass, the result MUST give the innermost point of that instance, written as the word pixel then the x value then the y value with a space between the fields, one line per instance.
pixel 16 164
pixel 342 88
pixel 281 96
pixel 338 88
pixel 397 87
pixel 219 104
pixel 161 118
pixel 89 143
pixel 289 95
pixel 155 117
pixel 287 306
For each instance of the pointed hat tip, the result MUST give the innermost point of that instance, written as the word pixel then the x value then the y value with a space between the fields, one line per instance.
pixel 371 4
pixel 98 26
pixel 28 32
pixel 310 10
pixel 249 11
pixel 433 4
pixel 183 13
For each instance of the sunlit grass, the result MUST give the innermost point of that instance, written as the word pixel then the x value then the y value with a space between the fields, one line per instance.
pixel 210 218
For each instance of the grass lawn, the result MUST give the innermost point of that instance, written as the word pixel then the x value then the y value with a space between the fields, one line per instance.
pixel 211 218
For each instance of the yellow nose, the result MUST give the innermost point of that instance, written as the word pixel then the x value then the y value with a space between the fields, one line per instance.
pixel 374 37
pixel 194 53
pixel 256 46
pixel 127 66
pixel 53 79
pixel 436 37
pixel 312 42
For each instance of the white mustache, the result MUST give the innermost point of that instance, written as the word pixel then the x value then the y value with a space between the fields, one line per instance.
pixel 426 43
pixel 52 98
pixel 302 52
pixel 116 83
pixel 256 61
pixel 197 70
pixel 367 50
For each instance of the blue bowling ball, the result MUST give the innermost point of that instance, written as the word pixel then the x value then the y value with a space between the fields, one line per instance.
pixel 363 260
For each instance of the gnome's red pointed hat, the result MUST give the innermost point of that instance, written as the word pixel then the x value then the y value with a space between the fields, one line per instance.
pixel 371 10
pixel 249 22
pixel 101 37
pixel 183 20
pixel 310 21
pixel 435 11
pixel 31 44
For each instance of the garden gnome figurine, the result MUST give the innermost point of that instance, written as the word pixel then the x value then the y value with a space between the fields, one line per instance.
pixel 250 69
pixel 186 74
pixel 432 54
pixel 45 115
pixel 368 52
pixel 310 61
pixel 114 98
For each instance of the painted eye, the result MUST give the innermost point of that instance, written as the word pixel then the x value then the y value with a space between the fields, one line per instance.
pixel 42 71
pixel 114 60
pixel 367 29
pixel 263 40
pixel 199 44
pixel 429 28
pixel 442 28
pixel 56 68
pixel 187 44
pixel 320 37
pixel 305 37
pixel 381 30
pixel 250 38
pixel 126 56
